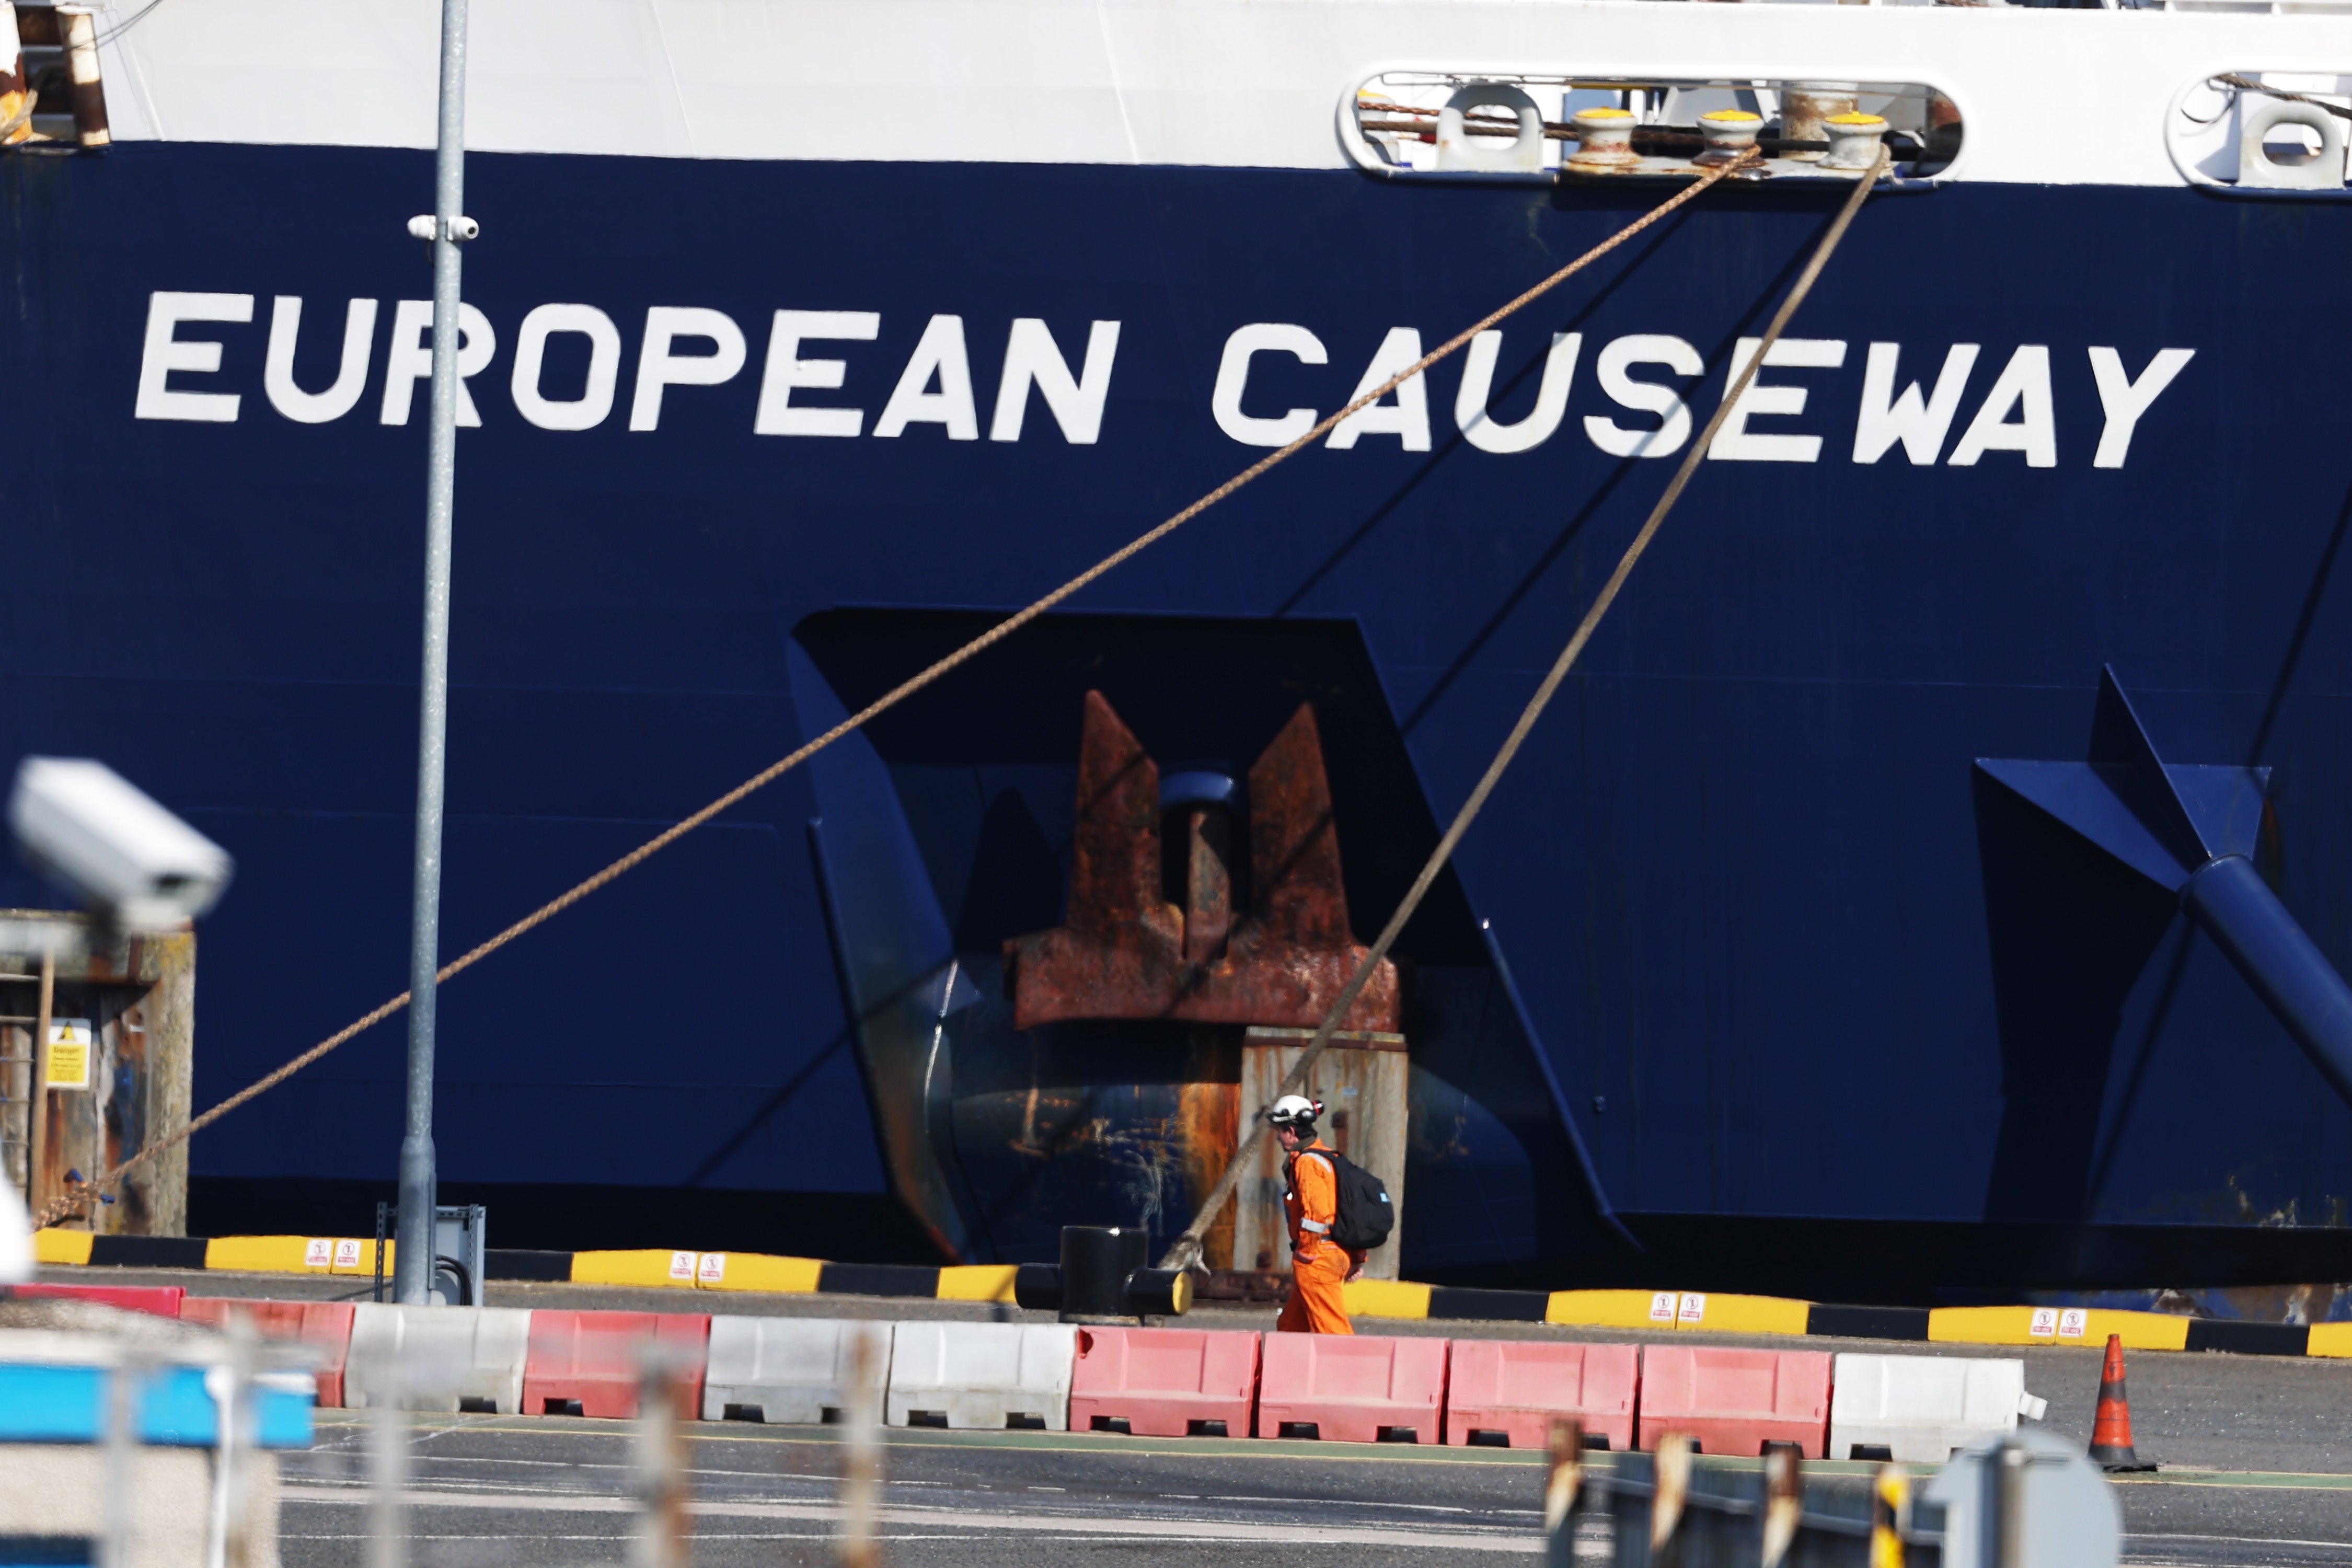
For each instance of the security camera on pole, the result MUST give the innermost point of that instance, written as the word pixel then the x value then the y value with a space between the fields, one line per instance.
pixel 446 228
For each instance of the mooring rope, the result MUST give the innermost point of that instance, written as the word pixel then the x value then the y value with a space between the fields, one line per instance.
pixel 84 1192
pixel 1185 1251
pixel 2248 84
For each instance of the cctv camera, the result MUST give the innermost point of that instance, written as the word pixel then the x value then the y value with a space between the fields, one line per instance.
pixel 130 860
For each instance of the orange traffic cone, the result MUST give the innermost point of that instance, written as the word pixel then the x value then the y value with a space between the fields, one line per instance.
pixel 2111 1435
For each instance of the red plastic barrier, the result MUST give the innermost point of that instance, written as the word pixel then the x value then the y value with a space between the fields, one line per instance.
pixel 161 1301
pixel 324 1326
pixel 1513 1390
pixel 1351 1388
pixel 588 1363
pixel 1735 1401
pixel 1163 1382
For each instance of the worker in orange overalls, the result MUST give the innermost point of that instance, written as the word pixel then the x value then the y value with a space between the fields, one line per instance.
pixel 1310 1203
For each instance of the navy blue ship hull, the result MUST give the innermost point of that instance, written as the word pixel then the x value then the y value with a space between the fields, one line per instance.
pixel 1743 937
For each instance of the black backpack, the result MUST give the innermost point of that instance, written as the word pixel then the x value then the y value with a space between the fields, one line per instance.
pixel 1365 1215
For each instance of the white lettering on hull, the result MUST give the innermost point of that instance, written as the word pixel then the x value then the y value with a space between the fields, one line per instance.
pixel 1614 370
pixel 2023 390
pixel 1232 381
pixel 1032 357
pixel 1650 375
pixel 165 352
pixel 410 358
pixel 1480 429
pixel 1734 442
pixel 939 357
pixel 661 366
pixel 1407 418
pixel 1919 424
pixel 786 371
pixel 588 410
pixel 351 376
pixel 2125 400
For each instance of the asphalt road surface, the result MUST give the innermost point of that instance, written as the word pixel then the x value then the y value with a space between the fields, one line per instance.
pixel 2256 1454
pixel 549 1492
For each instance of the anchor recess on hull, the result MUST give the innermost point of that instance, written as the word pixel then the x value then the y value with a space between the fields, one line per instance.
pixel 2192 830
pixel 1125 951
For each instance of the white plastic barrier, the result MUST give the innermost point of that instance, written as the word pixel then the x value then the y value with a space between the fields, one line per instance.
pixel 1924 1409
pixel 437 1358
pixel 787 1369
pixel 981 1374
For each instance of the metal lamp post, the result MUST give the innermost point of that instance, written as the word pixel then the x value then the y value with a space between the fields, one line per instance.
pixel 446 228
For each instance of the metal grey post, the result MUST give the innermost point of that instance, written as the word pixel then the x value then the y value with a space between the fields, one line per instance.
pixel 388 1440
pixel 123 1462
pixel 412 1257
pixel 861 1470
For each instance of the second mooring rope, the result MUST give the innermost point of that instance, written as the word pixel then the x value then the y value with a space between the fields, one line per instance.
pixel 1185 1251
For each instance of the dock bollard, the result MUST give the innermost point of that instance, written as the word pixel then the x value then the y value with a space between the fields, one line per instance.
pixel 1103 1278
pixel 1095 1261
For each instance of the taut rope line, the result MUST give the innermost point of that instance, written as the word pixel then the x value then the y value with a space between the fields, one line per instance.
pixel 1185 1251
pixel 74 1197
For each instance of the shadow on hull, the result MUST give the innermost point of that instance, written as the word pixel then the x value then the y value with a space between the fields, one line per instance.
pixel 950 828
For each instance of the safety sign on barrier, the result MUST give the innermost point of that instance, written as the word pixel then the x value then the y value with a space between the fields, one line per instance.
pixel 1351 1388
pixel 1921 1410
pixel 1735 1401
pixel 1163 1382
pixel 798 1370
pixel 437 1358
pixel 1508 1393
pixel 972 1375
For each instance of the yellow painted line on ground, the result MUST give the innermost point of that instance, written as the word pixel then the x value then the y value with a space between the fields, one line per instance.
pixel 759 1271
pixel 346 1255
pixel 648 1265
pixel 2075 1327
pixel 674 1271
pixel 2265 1480
pixel 2330 1340
pixel 974 1282
pixel 1612 1309
pixel 265 1255
pixel 1385 1298
pixel 1720 1314
pixel 67 1247
pixel 1741 1314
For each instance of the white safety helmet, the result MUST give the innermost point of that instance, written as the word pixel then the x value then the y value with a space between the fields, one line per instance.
pixel 1294 1111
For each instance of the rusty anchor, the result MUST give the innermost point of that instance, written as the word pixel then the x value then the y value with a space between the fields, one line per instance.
pixel 1126 953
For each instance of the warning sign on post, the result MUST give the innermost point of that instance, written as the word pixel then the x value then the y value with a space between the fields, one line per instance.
pixel 68 1060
